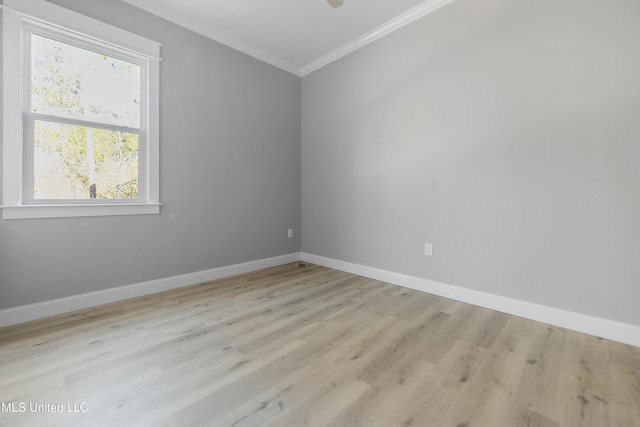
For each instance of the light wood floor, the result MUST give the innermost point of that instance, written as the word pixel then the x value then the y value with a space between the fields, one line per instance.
pixel 290 346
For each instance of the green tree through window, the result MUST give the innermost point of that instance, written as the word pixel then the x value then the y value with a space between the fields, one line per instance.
pixel 86 109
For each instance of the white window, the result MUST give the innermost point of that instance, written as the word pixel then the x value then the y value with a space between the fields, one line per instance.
pixel 80 115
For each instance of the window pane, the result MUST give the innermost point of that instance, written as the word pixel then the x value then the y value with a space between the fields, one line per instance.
pixel 77 83
pixel 75 162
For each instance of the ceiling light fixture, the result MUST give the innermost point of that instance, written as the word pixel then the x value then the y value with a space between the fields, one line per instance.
pixel 335 3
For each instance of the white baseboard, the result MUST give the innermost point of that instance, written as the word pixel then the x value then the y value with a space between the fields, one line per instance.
pixel 610 329
pixel 39 310
pixel 605 328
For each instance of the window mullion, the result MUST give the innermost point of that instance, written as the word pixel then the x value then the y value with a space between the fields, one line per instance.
pixel 82 123
pixel 28 179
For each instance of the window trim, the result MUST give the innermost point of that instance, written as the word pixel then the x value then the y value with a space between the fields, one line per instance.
pixel 18 16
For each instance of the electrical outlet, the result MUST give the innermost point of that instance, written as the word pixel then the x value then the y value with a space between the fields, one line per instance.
pixel 290 233
pixel 428 249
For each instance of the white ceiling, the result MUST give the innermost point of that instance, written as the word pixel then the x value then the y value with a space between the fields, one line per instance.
pixel 296 35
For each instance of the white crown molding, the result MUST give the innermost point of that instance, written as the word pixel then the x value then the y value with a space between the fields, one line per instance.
pixel 600 327
pixel 396 23
pixel 40 310
pixel 177 18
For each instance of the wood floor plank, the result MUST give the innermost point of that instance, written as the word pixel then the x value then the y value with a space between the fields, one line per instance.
pixel 291 346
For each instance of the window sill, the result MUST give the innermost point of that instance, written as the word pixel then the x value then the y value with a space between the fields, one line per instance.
pixel 64 211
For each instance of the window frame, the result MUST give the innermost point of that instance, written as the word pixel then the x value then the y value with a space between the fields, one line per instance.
pixel 20 19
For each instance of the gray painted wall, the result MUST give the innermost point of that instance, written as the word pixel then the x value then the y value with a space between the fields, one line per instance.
pixel 506 133
pixel 230 177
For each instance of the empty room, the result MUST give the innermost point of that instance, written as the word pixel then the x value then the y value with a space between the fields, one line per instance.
pixel 320 213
